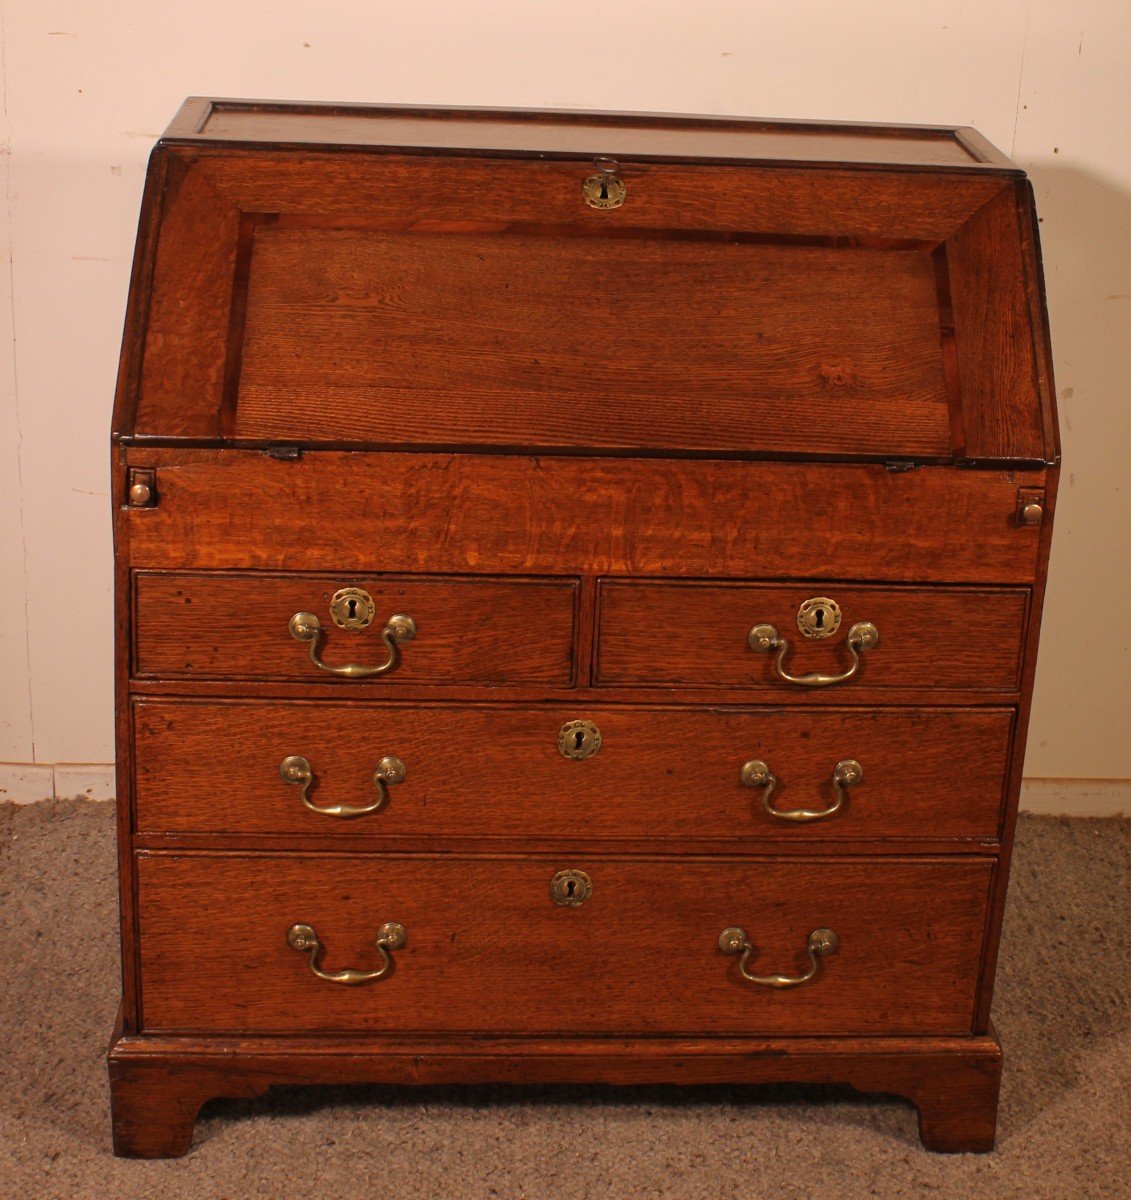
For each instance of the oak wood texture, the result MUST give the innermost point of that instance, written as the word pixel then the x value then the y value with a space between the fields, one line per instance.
pixel 997 356
pixel 586 451
pixel 233 626
pixel 495 771
pixel 676 633
pixel 181 394
pixel 549 341
pixel 639 956
pixel 158 1083
pixel 502 514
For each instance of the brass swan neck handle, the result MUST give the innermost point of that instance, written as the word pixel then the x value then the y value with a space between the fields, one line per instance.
pixel 765 638
pixel 296 770
pixel 735 941
pixel 391 936
pixel 757 774
pixel 306 627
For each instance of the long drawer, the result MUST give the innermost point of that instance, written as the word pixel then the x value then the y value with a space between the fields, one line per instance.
pixel 487 950
pixel 501 771
pixel 677 633
pixel 213 625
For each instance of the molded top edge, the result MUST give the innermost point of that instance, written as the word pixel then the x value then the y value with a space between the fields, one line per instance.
pixel 566 134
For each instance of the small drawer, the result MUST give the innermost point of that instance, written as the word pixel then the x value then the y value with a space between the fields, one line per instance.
pixel 502 771
pixel 857 637
pixel 485 947
pixel 323 628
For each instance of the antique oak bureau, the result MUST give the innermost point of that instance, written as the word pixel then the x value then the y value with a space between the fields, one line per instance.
pixel 578 585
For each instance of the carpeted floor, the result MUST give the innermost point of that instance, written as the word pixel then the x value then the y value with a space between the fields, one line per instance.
pixel 1061 1007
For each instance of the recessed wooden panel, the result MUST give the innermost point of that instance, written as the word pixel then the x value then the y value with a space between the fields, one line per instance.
pixel 190 374
pixel 228 626
pixel 488 951
pixel 687 633
pixel 496 771
pixel 550 341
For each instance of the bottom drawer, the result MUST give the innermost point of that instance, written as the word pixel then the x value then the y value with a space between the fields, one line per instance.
pixel 487 950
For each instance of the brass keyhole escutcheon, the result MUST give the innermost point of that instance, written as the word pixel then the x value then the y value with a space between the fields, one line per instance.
pixel 818 617
pixel 606 189
pixel 579 739
pixel 569 889
pixel 352 608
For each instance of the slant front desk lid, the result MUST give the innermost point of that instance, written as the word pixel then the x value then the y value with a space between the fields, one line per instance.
pixel 490 280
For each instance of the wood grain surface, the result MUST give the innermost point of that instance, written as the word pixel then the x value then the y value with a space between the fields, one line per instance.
pixel 990 282
pixel 529 340
pixel 586 451
pixel 495 771
pixel 487 196
pixel 467 630
pixel 501 514
pixel 159 1083
pixel 639 956
pixel 676 633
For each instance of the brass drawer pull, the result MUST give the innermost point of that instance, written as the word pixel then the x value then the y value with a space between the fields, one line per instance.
pixel 862 636
pixel 390 936
pixel 306 627
pixel 734 941
pixel 757 774
pixel 297 770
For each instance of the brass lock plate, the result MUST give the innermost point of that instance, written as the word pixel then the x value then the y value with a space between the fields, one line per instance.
pixel 568 889
pixel 606 189
pixel 352 608
pixel 579 739
pixel 818 617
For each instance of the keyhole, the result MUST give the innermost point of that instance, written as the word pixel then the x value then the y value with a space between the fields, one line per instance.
pixel 352 604
pixel 819 618
pixel 571 888
pixel 604 188
pixel 579 742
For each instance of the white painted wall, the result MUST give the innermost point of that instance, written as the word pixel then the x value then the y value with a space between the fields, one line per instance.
pixel 88 86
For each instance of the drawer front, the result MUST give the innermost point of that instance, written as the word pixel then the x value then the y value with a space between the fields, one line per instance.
pixel 238 626
pixel 640 955
pixel 497 771
pixel 695 634
pixel 512 514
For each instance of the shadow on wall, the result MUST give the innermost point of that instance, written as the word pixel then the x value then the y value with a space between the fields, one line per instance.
pixel 1085 225
pixel 1086 240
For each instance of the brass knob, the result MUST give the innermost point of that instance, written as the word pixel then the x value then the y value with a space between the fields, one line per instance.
pixel 140 495
pixel 1032 513
pixel 756 773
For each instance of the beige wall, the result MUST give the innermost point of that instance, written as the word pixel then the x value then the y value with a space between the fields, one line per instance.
pixel 89 85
